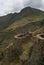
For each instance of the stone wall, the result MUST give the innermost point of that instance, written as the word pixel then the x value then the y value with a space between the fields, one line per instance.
pixel 12 49
pixel 38 51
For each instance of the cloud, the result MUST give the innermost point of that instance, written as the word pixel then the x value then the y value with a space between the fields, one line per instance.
pixel 35 3
pixel 10 6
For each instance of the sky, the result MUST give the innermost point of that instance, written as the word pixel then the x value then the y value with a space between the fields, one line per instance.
pixel 12 6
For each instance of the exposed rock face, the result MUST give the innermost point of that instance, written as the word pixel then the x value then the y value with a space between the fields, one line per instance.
pixel 38 51
pixel 12 50
pixel 37 55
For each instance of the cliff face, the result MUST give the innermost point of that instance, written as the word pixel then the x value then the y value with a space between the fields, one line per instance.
pixel 37 57
pixel 13 51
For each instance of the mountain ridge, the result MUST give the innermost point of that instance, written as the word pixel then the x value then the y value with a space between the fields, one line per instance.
pixel 28 20
pixel 9 19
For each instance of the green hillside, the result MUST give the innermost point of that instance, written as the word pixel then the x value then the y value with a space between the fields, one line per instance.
pixel 27 14
pixel 28 20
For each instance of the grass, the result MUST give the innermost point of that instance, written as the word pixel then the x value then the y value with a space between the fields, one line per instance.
pixel 12 26
pixel 26 50
pixel 23 22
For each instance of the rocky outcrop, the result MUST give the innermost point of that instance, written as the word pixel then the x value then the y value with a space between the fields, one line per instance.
pixel 12 52
pixel 13 49
pixel 37 56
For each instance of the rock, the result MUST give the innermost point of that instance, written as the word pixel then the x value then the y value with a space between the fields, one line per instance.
pixel 38 50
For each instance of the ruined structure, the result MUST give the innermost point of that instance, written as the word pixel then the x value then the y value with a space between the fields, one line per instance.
pixel 22 38
pixel 13 49
pixel 37 57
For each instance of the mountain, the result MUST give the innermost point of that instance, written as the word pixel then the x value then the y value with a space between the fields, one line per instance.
pixel 27 20
pixel 28 12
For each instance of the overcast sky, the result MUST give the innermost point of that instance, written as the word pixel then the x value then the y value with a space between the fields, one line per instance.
pixel 10 6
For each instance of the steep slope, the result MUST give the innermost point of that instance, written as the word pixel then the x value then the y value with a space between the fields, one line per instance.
pixel 28 20
pixel 37 57
pixel 28 12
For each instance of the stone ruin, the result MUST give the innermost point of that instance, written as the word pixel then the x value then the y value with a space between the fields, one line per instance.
pixel 37 57
pixel 22 38
pixel 37 52
pixel 18 41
